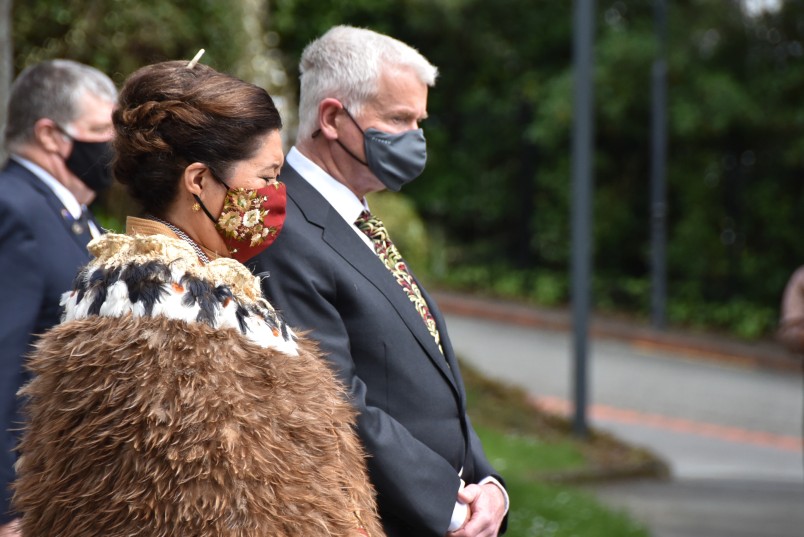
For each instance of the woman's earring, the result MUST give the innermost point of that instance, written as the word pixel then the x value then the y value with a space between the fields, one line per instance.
pixel 196 207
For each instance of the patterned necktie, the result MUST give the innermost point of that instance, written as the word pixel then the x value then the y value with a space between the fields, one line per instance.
pixel 390 256
pixel 86 222
pixel 79 226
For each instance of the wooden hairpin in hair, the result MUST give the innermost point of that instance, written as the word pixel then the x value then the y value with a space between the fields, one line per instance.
pixel 195 59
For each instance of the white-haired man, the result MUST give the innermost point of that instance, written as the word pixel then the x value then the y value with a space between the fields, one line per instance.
pixel 334 272
pixel 58 132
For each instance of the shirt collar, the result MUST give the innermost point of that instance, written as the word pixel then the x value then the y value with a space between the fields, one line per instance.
pixel 336 193
pixel 65 196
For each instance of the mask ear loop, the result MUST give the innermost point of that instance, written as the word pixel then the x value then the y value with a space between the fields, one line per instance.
pixel 201 203
pixel 63 132
pixel 204 208
pixel 351 154
pixel 348 113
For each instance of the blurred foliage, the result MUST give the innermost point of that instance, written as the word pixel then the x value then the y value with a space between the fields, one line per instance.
pixel 119 36
pixel 110 223
pixel 496 193
pixel 497 185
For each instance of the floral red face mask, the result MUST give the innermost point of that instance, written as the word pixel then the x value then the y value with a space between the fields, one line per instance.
pixel 250 219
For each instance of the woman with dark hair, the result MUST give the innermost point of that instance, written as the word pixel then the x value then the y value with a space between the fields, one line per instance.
pixel 173 400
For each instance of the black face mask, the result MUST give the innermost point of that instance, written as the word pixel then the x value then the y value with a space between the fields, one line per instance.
pixel 91 162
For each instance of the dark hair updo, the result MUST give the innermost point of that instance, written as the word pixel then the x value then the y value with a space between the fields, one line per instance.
pixel 170 116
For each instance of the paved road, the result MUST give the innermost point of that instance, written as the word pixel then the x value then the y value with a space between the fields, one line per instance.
pixel 731 434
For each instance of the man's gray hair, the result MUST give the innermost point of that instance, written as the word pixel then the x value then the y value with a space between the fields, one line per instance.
pixel 346 64
pixel 52 89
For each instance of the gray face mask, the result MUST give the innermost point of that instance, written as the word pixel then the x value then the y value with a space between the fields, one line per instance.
pixel 395 159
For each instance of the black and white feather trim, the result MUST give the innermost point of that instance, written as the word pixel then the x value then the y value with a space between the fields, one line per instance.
pixel 154 288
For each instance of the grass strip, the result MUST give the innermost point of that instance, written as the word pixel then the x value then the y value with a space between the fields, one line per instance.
pixel 539 458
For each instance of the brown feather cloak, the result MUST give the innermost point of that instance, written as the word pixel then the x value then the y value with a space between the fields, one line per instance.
pixel 173 401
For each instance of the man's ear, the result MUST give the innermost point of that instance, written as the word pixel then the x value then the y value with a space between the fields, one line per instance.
pixel 328 117
pixel 48 135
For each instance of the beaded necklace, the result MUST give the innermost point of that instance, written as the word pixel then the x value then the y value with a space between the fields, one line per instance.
pixel 182 235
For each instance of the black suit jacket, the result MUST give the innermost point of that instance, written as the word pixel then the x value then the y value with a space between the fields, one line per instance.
pixel 39 257
pixel 410 397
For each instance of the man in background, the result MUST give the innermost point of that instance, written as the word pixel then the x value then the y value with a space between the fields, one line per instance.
pixel 791 323
pixel 334 271
pixel 57 135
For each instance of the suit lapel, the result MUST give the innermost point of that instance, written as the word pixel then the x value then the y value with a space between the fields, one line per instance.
pixel 441 324
pixel 67 220
pixel 346 244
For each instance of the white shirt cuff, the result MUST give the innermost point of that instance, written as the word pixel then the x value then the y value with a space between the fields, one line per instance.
pixel 458 516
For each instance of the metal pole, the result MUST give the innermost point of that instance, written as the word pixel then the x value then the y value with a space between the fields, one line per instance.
pixel 582 163
pixel 659 170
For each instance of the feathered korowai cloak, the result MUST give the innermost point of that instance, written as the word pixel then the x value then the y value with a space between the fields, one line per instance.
pixel 173 401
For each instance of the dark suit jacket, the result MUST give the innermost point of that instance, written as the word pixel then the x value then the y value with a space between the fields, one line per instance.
pixel 410 397
pixel 39 257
